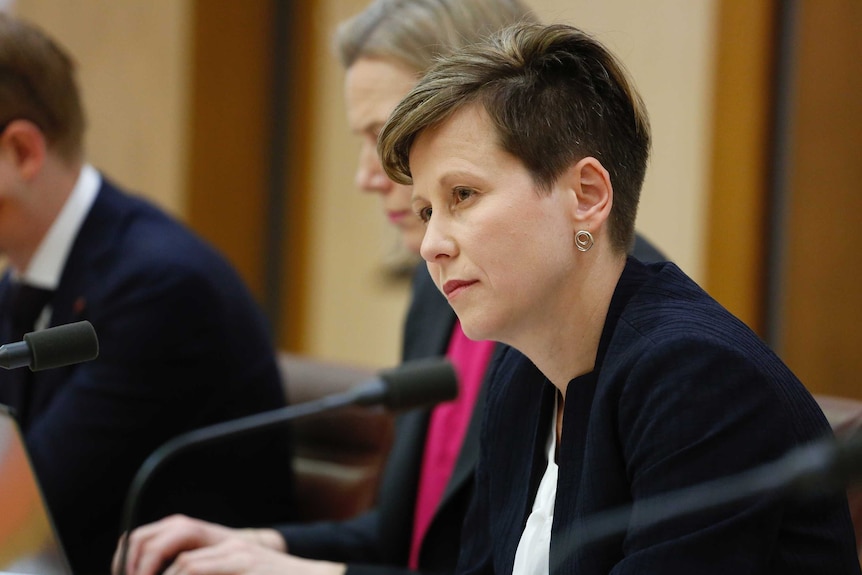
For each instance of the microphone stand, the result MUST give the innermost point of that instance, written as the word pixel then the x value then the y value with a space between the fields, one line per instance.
pixel 415 383
pixel 361 395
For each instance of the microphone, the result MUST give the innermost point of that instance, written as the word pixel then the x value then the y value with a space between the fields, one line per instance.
pixel 52 347
pixel 817 468
pixel 416 383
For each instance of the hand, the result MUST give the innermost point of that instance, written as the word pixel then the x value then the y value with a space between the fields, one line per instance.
pixel 240 557
pixel 155 545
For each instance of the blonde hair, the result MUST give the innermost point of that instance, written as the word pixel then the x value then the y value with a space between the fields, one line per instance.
pixel 417 32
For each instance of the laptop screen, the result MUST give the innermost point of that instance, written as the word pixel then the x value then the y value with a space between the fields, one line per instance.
pixel 28 541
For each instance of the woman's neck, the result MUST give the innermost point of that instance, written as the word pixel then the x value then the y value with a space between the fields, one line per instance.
pixel 564 343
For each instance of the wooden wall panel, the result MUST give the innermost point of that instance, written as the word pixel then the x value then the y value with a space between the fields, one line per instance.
pixel 298 190
pixel 249 123
pixel 132 61
pixel 228 133
pixel 821 320
pixel 737 234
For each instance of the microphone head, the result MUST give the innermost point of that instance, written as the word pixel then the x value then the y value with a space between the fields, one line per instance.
pixel 62 345
pixel 419 383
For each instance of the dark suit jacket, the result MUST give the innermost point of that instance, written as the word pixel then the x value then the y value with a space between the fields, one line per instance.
pixel 182 345
pixel 379 541
pixel 682 393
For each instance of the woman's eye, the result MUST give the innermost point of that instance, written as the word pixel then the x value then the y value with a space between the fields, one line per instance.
pixel 425 214
pixel 462 194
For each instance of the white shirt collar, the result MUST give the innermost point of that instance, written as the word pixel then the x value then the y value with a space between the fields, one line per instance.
pixel 47 264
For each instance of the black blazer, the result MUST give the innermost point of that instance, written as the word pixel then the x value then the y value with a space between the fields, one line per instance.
pixel 682 393
pixel 182 345
pixel 378 542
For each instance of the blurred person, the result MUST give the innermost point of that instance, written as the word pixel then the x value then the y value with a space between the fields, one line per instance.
pixel 428 479
pixel 182 343
pixel 623 380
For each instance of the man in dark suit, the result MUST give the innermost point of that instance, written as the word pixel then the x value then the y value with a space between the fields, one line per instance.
pixel 182 343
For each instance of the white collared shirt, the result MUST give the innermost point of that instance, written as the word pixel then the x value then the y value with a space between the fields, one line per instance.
pixel 49 259
pixel 534 549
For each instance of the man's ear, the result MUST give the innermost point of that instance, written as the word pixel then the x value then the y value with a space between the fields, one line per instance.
pixel 25 144
pixel 595 194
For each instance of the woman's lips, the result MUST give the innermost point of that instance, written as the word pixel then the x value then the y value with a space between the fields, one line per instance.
pixel 453 287
pixel 397 217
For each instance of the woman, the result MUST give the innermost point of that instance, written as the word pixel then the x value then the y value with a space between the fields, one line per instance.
pixel 526 155
pixel 428 481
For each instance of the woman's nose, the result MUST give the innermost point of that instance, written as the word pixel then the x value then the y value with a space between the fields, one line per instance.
pixel 437 242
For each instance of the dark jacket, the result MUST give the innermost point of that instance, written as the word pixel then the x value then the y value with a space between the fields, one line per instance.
pixel 378 542
pixel 682 393
pixel 182 345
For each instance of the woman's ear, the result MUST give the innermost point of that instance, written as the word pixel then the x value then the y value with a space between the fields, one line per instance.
pixel 595 194
pixel 24 144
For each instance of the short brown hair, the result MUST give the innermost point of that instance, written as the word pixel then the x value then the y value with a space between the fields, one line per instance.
pixel 554 94
pixel 37 83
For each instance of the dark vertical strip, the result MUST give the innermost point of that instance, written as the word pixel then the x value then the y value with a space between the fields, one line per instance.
pixel 778 206
pixel 279 128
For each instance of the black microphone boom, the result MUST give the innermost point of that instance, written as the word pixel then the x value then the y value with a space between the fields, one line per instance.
pixel 415 383
pixel 825 466
pixel 52 347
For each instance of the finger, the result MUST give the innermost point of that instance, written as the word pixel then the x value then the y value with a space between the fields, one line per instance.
pixel 154 545
pixel 137 540
pixel 228 558
pixel 115 560
pixel 136 543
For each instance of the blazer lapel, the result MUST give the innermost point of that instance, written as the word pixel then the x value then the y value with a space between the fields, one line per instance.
pixel 107 217
pixel 564 555
pixel 78 288
pixel 532 405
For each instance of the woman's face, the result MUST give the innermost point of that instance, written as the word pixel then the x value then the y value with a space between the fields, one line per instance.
pixel 373 88
pixel 498 247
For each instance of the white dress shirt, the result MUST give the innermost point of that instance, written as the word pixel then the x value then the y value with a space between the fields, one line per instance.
pixel 49 259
